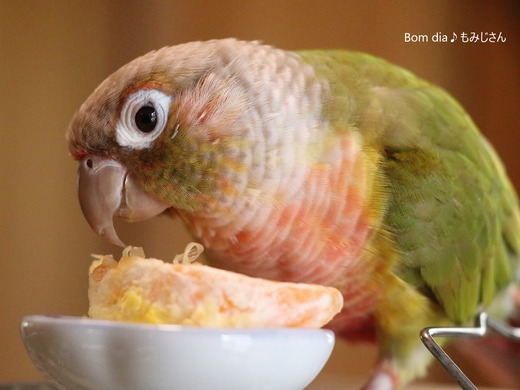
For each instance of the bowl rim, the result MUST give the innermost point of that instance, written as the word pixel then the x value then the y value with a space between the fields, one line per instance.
pixel 84 321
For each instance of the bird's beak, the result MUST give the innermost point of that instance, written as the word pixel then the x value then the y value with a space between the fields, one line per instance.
pixel 106 190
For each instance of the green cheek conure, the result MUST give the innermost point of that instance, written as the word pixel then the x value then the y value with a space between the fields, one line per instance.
pixel 327 167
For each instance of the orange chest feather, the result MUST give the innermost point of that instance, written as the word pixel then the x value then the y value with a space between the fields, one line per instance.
pixel 323 233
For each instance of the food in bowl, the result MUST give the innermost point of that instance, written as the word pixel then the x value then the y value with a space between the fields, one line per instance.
pixel 184 292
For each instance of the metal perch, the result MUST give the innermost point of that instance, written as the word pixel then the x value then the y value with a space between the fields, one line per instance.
pixel 482 326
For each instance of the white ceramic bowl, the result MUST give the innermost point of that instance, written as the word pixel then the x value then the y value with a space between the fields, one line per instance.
pixel 80 353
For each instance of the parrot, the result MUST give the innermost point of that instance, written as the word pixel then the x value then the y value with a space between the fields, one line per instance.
pixel 332 167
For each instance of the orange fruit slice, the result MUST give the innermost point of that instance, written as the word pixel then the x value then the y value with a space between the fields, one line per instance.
pixel 137 289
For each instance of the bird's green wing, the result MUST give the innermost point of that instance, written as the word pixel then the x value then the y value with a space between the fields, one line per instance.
pixel 451 210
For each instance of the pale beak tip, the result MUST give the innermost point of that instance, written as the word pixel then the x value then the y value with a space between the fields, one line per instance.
pixel 110 235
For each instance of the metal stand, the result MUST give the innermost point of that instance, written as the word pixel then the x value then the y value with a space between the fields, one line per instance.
pixel 482 326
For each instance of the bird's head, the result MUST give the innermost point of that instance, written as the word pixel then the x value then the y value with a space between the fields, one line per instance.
pixel 164 131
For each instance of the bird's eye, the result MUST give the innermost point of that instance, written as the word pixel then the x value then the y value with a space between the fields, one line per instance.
pixel 144 116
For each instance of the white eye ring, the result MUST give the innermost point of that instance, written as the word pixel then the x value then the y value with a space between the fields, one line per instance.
pixel 128 132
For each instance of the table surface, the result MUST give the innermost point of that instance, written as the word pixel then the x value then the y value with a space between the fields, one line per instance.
pixel 333 382
pixel 320 384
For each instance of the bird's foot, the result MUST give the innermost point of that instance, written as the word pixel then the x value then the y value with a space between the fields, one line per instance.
pixel 383 377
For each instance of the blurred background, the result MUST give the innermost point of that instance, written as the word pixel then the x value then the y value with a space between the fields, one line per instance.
pixel 54 53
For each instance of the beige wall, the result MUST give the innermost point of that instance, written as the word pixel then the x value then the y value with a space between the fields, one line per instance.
pixel 53 54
